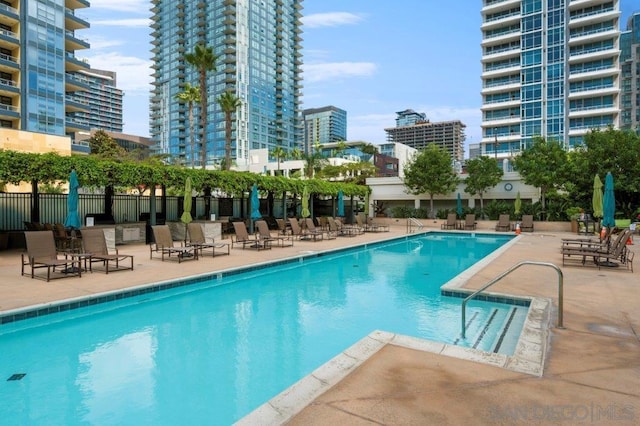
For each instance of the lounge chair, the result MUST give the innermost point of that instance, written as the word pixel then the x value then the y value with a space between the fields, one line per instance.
pixel 343 227
pixel 265 234
pixel 374 227
pixel 599 251
pixel 311 229
pixel 163 244
pixel 338 229
pixel 242 237
pixel 94 244
pixel 450 223
pixel 42 253
pixel 527 223
pixel 63 240
pixel 503 223
pixel 282 227
pixel 470 221
pixel 198 240
pixel 303 234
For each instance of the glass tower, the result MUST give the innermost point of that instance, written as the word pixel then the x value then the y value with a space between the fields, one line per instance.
pixel 630 69
pixel 324 125
pixel 38 65
pixel 258 45
pixel 549 68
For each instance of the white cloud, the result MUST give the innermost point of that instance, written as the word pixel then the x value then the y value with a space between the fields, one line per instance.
pixel 133 74
pixel 98 42
pixel 334 70
pixel 331 19
pixel 132 23
pixel 122 5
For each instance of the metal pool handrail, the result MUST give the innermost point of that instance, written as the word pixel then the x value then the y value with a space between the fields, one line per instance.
pixel 411 222
pixel 504 274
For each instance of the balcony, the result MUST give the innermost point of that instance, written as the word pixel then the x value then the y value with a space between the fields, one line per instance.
pixel 72 63
pixel 8 63
pixel 9 112
pixel 9 88
pixel 72 42
pixel 76 4
pixel 74 22
pixel 9 15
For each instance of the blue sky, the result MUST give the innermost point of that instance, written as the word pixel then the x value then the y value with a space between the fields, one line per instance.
pixel 371 58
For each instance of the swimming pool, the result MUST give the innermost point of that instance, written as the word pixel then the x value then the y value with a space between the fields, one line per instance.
pixel 210 352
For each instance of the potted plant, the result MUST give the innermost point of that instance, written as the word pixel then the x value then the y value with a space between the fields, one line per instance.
pixel 573 213
pixel 380 209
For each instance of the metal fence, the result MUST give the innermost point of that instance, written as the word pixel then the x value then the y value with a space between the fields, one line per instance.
pixel 15 208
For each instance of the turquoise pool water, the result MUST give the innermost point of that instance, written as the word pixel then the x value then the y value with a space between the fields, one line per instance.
pixel 211 352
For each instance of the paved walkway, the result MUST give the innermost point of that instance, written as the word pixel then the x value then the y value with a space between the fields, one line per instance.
pixel 592 373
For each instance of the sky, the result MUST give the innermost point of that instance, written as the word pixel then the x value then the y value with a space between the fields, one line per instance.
pixel 371 58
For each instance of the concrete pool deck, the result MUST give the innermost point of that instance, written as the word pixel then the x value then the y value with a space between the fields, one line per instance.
pixel 592 366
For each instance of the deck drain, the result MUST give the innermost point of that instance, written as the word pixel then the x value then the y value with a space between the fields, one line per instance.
pixel 17 376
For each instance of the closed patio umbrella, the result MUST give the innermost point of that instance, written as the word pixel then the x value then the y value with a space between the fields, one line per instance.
pixel 366 205
pixel 596 201
pixel 517 205
pixel 255 205
pixel 340 203
pixel 73 220
pixel 608 203
pixel 305 203
pixel 459 206
pixel 186 209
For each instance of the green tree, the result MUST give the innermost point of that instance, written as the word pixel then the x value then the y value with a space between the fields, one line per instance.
pixel 609 150
pixel 279 153
pixel 483 174
pixel 204 60
pixel 544 165
pixel 190 95
pixel 430 172
pixel 229 103
pixel 368 148
pixel 296 154
pixel 340 149
pixel 104 146
pixel 314 161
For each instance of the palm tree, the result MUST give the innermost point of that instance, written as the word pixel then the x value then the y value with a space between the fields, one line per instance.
pixel 314 161
pixel 204 60
pixel 190 95
pixel 279 153
pixel 296 154
pixel 229 103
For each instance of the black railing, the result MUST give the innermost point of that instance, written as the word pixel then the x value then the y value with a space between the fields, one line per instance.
pixel 15 208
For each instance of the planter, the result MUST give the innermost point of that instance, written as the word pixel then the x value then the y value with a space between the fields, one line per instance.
pixel 574 226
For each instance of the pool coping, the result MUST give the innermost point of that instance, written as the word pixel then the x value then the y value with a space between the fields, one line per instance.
pixel 529 356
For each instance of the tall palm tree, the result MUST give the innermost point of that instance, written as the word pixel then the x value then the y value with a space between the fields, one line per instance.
pixel 296 154
pixel 229 103
pixel 314 161
pixel 204 60
pixel 190 95
pixel 279 153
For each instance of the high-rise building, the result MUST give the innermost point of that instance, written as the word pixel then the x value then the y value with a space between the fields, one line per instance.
pixel 38 66
pixel 258 44
pixel 415 130
pixel 103 98
pixel 630 70
pixel 550 69
pixel 324 125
